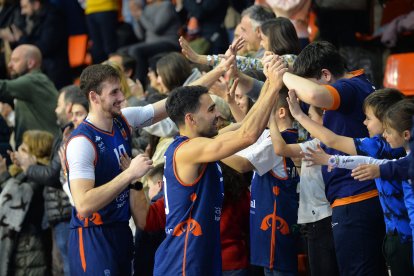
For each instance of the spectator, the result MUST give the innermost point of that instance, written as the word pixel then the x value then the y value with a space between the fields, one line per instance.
pixel 22 247
pixel 57 206
pixel 102 22
pixel 160 23
pixel 321 80
pixel 45 27
pixel 35 94
pixel 206 19
pixel 252 18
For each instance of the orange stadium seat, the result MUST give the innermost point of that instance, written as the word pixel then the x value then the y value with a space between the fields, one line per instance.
pixel 78 45
pixel 312 26
pixel 399 73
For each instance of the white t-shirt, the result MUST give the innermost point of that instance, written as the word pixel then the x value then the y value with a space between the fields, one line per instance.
pixel 313 205
pixel 263 157
pixel 80 152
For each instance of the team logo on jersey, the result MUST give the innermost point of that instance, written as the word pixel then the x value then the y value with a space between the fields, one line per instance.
pixel 190 225
pixel 95 218
pixel 99 142
pixel 124 134
pixel 281 224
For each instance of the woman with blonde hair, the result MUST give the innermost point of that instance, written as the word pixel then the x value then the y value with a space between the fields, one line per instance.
pixel 22 246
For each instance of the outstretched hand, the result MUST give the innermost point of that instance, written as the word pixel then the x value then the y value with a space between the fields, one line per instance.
pixel 275 69
pixel 316 157
pixel 293 103
pixel 187 51
pixel 222 89
pixel 366 172
pixel 235 47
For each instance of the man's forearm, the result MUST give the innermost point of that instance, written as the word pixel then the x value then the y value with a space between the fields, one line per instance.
pixel 139 207
pixel 92 200
pixel 308 91
pixel 210 78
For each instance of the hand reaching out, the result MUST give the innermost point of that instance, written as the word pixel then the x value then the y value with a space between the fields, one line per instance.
pixel 221 88
pixel 235 47
pixel 366 172
pixel 316 157
pixel 187 51
pixel 275 69
pixel 294 106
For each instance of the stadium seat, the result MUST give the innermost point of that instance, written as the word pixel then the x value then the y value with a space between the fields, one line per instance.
pixel 399 73
pixel 78 45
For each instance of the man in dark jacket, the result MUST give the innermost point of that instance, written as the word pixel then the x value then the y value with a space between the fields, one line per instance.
pixel 45 27
pixel 57 206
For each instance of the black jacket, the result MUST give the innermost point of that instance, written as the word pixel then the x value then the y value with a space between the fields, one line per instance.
pixel 57 203
pixel 49 34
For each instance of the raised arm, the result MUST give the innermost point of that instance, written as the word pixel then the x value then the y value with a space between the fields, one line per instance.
pixel 279 145
pixel 326 136
pixel 213 60
pixel 221 89
pixel 211 77
pixel 202 150
pixel 309 91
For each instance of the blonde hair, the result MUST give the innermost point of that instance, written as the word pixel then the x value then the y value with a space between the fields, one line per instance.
pixel 39 144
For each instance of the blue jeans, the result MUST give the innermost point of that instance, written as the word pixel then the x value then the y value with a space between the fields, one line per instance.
pixel 268 272
pixel 61 237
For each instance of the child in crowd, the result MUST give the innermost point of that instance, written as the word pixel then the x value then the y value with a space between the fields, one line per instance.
pixel 315 212
pixel 274 200
pixel 147 242
pixel 399 234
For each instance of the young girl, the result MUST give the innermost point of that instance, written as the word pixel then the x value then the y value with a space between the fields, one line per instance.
pixel 397 122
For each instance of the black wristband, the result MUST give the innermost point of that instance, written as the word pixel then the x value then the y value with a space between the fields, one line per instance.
pixel 138 186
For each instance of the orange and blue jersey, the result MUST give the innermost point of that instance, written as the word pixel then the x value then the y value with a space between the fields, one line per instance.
pixel 390 191
pixel 345 118
pixel 273 211
pixel 102 243
pixel 192 243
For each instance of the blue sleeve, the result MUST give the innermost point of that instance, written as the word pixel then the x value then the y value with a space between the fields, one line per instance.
pixel 347 94
pixel 396 170
pixel 368 146
pixel 378 148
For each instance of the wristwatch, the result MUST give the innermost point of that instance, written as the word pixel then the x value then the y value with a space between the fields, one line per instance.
pixel 136 186
pixel 333 161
